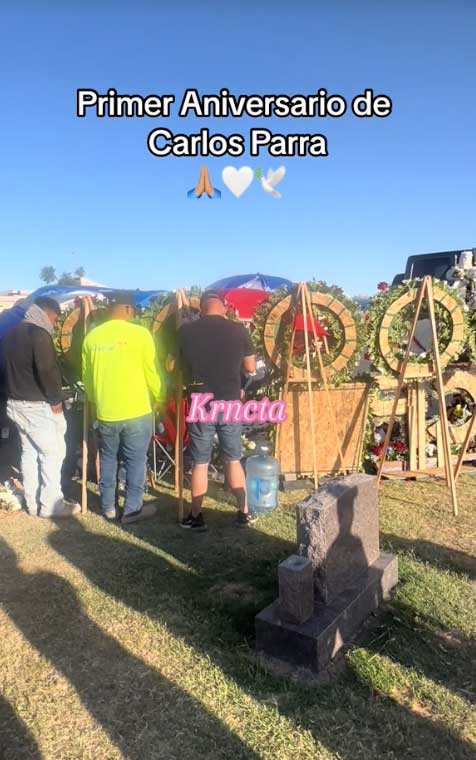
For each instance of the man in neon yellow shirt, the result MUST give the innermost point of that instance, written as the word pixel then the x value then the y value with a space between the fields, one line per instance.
pixel 122 382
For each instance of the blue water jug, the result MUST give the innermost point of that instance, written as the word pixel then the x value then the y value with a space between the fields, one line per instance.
pixel 262 482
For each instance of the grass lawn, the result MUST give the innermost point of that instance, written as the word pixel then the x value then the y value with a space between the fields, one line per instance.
pixel 139 644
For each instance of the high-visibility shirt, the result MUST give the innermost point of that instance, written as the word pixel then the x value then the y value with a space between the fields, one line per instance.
pixel 120 374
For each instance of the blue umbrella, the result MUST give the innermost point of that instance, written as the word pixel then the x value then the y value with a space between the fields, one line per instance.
pixel 255 281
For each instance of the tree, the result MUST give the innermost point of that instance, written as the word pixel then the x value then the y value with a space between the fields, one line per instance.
pixel 48 275
pixel 67 278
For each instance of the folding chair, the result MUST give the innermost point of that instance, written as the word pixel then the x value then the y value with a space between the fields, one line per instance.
pixel 163 441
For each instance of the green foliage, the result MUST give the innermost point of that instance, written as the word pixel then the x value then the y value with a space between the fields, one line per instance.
pixel 48 275
pixel 401 324
pixel 471 346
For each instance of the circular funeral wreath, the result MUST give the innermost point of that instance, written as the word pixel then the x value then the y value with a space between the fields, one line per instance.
pixel 339 315
pixel 68 337
pixel 389 320
pixel 162 322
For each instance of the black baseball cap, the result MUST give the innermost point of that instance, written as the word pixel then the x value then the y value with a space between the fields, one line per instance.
pixel 122 298
pixel 209 295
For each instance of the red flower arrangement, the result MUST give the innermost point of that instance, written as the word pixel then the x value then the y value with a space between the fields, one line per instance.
pixel 383 286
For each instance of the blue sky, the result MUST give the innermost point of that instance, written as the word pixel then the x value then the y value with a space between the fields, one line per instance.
pixel 87 191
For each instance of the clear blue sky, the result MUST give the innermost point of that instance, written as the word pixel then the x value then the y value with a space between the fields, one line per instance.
pixel 87 192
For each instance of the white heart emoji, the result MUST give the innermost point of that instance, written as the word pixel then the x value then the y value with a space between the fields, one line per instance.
pixel 237 180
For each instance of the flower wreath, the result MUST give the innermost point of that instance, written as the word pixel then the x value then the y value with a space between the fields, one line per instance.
pixel 389 319
pixel 338 314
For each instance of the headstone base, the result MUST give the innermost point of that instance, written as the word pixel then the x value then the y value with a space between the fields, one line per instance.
pixel 313 644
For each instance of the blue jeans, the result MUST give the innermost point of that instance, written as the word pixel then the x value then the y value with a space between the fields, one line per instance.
pixel 43 450
pixel 131 438
pixel 201 440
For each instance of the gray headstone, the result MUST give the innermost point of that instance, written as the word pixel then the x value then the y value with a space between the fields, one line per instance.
pixel 296 589
pixel 337 530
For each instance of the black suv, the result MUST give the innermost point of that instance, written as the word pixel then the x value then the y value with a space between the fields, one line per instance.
pixel 435 264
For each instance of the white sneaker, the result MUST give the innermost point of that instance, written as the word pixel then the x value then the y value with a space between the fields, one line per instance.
pixel 68 509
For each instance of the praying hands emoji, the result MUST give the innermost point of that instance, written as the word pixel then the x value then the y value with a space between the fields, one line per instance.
pixel 204 185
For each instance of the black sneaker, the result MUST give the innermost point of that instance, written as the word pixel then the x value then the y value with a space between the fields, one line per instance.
pixel 244 520
pixel 187 521
pixel 198 524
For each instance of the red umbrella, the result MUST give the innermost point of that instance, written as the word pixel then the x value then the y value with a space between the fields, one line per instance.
pixel 245 301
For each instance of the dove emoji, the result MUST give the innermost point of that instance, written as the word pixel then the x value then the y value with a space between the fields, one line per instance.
pixel 272 178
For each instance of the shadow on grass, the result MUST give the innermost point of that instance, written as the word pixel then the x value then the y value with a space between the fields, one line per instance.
pixel 206 588
pixel 418 641
pixel 16 741
pixel 144 714
pixel 442 557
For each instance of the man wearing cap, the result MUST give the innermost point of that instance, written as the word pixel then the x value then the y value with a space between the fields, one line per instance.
pixel 121 381
pixel 215 351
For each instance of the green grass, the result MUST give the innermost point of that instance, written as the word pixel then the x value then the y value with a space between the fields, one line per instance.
pixel 139 644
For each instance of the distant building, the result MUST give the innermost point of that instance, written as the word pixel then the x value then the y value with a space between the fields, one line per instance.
pixel 8 298
pixel 90 283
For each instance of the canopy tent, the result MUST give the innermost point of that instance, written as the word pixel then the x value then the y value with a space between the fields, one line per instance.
pixel 252 281
pixel 65 294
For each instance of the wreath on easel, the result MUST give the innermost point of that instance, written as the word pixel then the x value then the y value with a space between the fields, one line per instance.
pixel 389 320
pixel 69 335
pixel 161 320
pixel 338 324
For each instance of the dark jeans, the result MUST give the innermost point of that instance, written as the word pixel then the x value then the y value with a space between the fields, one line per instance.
pixel 132 438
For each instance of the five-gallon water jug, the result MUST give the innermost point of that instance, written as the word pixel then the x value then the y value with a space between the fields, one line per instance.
pixel 262 481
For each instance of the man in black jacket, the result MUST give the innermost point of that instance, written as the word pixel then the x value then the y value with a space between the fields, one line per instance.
pixel 34 391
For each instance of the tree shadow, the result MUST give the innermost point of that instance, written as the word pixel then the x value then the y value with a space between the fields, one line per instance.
pixel 144 714
pixel 418 641
pixel 441 557
pixel 16 741
pixel 226 575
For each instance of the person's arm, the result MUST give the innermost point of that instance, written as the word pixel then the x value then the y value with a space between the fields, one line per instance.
pixel 151 373
pixel 48 373
pixel 248 363
pixel 86 371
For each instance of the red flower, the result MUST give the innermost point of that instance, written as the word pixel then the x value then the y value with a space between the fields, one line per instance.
pixel 400 447
pixel 383 286
pixel 378 450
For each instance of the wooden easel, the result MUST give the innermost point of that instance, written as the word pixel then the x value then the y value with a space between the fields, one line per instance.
pixel 464 448
pixel 182 301
pixel 426 291
pixel 86 309
pixel 302 297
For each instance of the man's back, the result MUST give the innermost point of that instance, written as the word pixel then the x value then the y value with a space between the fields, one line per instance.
pixel 213 348
pixel 31 371
pixel 119 371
